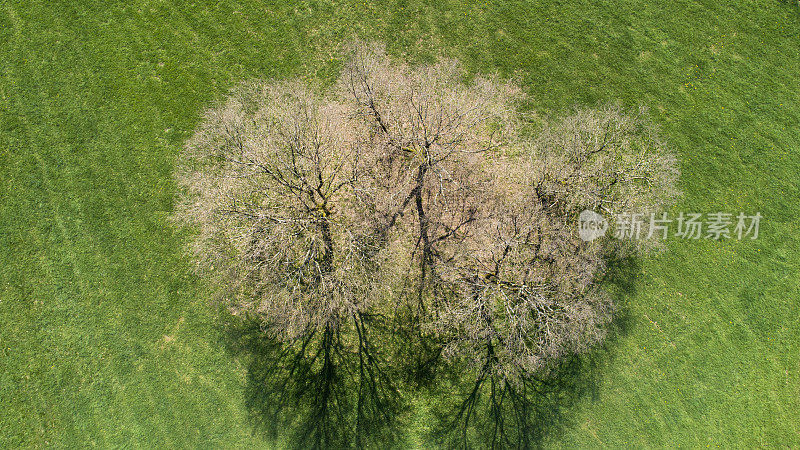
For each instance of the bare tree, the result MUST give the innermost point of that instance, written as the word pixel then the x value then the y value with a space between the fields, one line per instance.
pixel 433 132
pixel 269 181
pixel 605 159
pixel 265 175
pixel 413 189
pixel 529 291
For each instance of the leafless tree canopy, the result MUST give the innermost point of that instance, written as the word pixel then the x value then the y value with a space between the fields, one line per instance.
pixel 413 187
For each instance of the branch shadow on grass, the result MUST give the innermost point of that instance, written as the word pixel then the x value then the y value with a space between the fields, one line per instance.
pixel 329 389
pixel 484 412
pixel 335 389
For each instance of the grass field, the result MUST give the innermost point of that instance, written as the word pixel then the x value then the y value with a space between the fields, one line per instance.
pixel 106 336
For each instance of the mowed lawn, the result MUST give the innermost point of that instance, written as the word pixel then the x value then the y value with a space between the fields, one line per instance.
pixel 107 338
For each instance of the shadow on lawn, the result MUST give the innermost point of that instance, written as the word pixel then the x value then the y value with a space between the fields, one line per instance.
pixel 331 389
pixel 485 412
pixel 328 392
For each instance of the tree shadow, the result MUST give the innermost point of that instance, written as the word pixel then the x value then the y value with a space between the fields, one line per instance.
pixel 329 389
pixel 486 412
pixel 483 411
pixel 339 387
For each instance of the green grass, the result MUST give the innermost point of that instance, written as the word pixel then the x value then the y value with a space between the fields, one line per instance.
pixel 107 337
